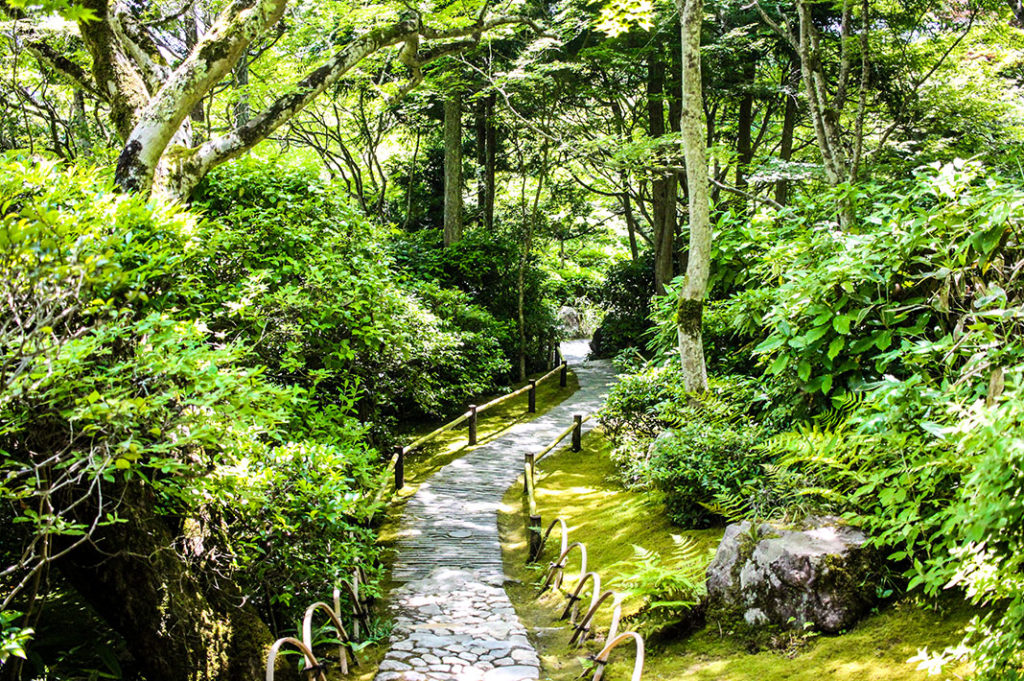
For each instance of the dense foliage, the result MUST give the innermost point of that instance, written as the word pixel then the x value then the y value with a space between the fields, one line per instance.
pixel 241 251
pixel 257 345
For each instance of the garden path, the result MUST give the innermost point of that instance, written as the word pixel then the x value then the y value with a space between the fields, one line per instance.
pixel 452 618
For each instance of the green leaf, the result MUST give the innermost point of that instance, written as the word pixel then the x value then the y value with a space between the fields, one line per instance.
pixel 836 346
pixel 778 365
pixel 816 333
pixel 769 344
pixel 841 324
pixel 804 370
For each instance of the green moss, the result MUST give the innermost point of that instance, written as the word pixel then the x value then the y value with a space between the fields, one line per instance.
pixel 689 316
pixel 581 487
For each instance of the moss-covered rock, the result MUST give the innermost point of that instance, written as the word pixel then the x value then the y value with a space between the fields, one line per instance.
pixel 766 575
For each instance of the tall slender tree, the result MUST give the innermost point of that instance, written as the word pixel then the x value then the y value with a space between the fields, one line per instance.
pixel 689 316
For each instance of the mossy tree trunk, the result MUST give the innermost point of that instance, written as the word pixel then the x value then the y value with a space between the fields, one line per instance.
pixel 180 623
pixel 693 127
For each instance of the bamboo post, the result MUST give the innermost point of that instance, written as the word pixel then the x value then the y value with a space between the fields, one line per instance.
pixel 563 378
pixel 533 529
pixel 577 432
pixel 472 424
pixel 399 467
pixel 528 473
pixel 532 408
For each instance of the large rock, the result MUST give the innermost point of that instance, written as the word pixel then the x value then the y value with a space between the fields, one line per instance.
pixel 570 321
pixel 789 578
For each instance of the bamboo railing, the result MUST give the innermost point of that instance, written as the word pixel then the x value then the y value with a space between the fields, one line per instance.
pixel 396 464
pixel 553 576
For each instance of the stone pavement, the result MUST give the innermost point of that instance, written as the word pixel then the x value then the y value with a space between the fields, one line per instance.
pixel 453 620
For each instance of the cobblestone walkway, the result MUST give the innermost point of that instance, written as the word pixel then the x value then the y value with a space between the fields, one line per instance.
pixel 453 620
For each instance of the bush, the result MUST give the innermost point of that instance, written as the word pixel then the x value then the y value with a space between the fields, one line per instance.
pixel 482 264
pixel 150 367
pixel 303 276
pixel 690 447
pixel 699 460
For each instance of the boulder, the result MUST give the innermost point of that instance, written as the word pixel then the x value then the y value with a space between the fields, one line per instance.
pixel 570 321
pixel 791 578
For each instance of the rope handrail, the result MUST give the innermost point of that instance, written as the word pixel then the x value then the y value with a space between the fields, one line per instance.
pixel 531 459
pixel 564 434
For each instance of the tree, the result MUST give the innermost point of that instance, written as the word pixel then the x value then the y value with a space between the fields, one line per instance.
pixel 452 168
pixel 150 101
pixel 691 296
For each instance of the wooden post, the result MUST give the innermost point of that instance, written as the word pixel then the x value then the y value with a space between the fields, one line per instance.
pixel 400 467
pixel 528 473
pixel 472 424
pixel 563 378
pixel 532 408
pixel 533 530
pixel 577 433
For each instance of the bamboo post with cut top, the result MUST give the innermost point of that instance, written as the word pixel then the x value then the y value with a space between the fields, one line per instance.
pixel 532 400
pixel 533 530
pixel 563 376
pixel 399 467
pixel 472 424
pixel 577 432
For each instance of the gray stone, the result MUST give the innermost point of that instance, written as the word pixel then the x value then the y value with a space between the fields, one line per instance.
pixel 511 673
pixel 820 576
pixel 393 666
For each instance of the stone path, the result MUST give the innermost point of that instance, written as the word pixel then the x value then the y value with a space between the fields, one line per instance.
pixel 453 620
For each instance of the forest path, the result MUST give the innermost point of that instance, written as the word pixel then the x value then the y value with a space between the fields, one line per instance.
pixel 453 620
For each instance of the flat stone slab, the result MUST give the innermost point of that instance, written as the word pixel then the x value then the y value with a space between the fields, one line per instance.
pixel 452 618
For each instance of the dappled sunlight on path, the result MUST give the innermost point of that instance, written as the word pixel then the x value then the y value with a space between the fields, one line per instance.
pixel 452 617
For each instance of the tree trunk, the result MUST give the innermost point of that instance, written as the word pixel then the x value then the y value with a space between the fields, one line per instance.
pixel 491 161
pixel 744 146
pixel 241 85
pixel 480 125
pixel 788 126
pixel 694 289
pixel 177 627
pixel 412 180
pixel 663 240
pixel 452 169
pixel 627 209
pixel 80 126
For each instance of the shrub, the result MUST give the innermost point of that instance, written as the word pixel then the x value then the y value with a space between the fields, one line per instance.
pixel 699 460
pixel 304 278
pixel 690 447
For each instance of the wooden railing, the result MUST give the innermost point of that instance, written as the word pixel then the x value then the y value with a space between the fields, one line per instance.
pixel 530 462
pixel 396 464
pixel 553 576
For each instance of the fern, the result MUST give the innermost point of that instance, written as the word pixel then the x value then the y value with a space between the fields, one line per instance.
pixel 668 590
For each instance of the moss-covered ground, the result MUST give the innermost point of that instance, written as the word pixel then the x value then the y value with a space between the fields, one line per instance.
pixel 582 489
